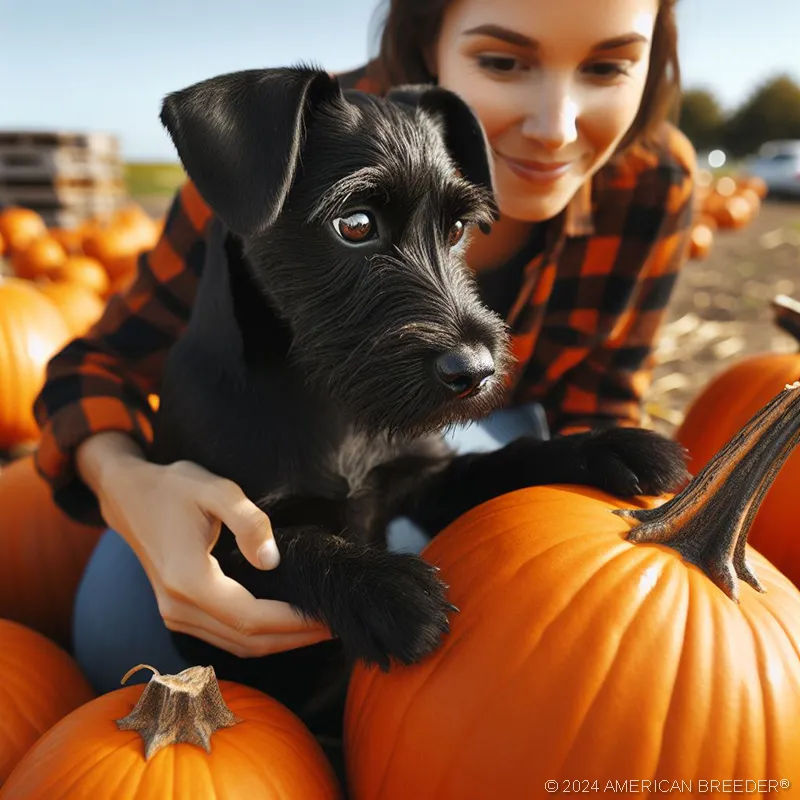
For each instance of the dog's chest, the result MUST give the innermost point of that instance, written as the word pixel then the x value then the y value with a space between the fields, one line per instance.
pixel 356 456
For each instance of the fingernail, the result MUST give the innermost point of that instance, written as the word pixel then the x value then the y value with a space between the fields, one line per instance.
pixel 268 555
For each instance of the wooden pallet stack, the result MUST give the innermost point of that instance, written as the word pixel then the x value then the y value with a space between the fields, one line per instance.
pixel 66 177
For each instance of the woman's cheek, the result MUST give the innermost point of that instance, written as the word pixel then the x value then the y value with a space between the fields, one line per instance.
pixel 606 115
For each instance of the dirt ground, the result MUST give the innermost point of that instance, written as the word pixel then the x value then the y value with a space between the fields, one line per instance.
pixel 720 311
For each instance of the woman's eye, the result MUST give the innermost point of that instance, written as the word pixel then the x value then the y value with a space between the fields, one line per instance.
pixel 504 65
pixel 607 69
pixel 455 234
pixel 357 227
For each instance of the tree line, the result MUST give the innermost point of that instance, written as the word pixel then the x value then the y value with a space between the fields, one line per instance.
pixel 772 111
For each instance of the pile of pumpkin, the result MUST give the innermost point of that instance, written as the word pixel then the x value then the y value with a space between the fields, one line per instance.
pixel 598 641
pixel 54 284
pixel 723 203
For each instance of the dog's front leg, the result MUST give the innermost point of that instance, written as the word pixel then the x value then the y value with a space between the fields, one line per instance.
pixel 622 461
pixel 379 604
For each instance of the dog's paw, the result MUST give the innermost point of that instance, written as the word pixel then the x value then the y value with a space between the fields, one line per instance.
pixel 631 461
pixel 397 609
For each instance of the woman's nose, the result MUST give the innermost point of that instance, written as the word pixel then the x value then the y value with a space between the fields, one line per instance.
pixel 553 117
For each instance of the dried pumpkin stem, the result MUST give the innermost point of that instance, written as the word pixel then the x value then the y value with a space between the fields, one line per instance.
pixel 187 707
pixel 708 522
pixel 787 315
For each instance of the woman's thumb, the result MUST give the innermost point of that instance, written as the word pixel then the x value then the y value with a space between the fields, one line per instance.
pixel 253 531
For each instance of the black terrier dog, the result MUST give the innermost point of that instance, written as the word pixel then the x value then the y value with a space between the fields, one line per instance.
pixel 336 331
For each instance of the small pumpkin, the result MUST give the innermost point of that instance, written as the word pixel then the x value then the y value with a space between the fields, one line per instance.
pixel 116 248
pixel 80 306
pixel 597 639
pixel 42 553
pixel 71 239
pixel 701 241
pixel 721 409
pixel 39 685
pixel 32 330
pixel 180 737
pixel 756 184
pixel 42 258
pixel 19 227
pixel 86 271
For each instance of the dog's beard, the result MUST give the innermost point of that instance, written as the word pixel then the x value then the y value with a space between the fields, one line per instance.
pixel 370 347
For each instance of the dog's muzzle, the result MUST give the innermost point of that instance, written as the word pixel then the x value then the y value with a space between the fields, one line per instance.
pixel 465 369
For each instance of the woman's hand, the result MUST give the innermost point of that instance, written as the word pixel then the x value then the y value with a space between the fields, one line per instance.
pixel 171 516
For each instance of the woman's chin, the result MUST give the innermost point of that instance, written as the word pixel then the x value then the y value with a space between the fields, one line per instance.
pixel 535 206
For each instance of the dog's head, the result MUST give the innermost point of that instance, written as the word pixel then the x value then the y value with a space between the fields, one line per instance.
pixel 354 211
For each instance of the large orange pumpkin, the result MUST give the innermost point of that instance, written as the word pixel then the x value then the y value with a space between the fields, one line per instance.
pixel 42 553
pixel 32 330
pixel 181 737
pixel 589 650
pixel 39 684
pixel 79 305
pixel 721 409
pixel 20 226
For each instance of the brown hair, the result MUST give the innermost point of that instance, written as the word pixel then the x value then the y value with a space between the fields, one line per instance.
pixel 410 27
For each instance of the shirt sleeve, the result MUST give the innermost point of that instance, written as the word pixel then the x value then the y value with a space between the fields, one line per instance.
pixel 606 388
pixel 103 380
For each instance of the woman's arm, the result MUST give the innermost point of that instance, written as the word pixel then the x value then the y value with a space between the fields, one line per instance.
pixel 101 381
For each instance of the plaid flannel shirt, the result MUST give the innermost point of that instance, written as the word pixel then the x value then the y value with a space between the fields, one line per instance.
pixel 583 325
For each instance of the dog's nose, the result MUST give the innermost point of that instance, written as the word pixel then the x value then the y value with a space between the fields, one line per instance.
pixel 464 368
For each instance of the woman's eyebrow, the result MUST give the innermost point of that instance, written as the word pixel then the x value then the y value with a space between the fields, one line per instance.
pixel 521 40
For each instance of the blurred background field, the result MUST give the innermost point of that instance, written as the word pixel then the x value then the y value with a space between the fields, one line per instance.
pixel 145 179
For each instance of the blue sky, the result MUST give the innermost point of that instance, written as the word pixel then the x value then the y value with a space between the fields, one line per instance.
pixel 106 64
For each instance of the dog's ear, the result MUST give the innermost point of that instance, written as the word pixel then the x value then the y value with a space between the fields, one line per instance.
pixel 239 137
pixel 464 136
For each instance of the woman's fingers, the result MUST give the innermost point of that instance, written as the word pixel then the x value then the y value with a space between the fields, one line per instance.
pixel 214 632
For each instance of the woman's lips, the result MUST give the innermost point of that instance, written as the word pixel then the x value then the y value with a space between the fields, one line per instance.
pixel 537 171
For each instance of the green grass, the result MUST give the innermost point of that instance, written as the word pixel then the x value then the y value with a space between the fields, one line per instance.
pixel 153 179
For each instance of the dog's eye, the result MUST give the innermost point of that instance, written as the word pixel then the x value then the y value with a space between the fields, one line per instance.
pixel 456 232
pixel 357 227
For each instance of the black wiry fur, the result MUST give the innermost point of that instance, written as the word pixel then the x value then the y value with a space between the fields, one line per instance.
pixel 307 373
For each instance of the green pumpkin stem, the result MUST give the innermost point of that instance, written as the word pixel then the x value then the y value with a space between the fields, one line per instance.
pixel 787 315
pixel 708 522
pixel 187 707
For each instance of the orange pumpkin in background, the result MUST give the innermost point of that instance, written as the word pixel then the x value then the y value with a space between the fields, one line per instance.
pixel 19 227
pixel 32 330
pixel 42 258
pixel 88 272
pixel 39 685
pixel 701 240
pixel 725 404
pixel 180 737
pixel 80 306
pixel 43 553
pixel 596 639
pixel 71 239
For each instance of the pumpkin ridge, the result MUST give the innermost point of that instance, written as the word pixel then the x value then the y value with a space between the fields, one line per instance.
pixel 586 711
pixel 682 665
pixel 248 757
pixel 554 623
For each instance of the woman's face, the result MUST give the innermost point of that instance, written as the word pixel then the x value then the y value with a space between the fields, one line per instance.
pixel 556 84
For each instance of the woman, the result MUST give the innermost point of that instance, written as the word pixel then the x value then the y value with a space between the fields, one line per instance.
pixel 595 193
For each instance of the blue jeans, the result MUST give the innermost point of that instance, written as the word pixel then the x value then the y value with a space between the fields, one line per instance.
pixel 116 623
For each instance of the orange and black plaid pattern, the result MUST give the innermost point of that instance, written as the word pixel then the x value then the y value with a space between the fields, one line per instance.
pixel 583 325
